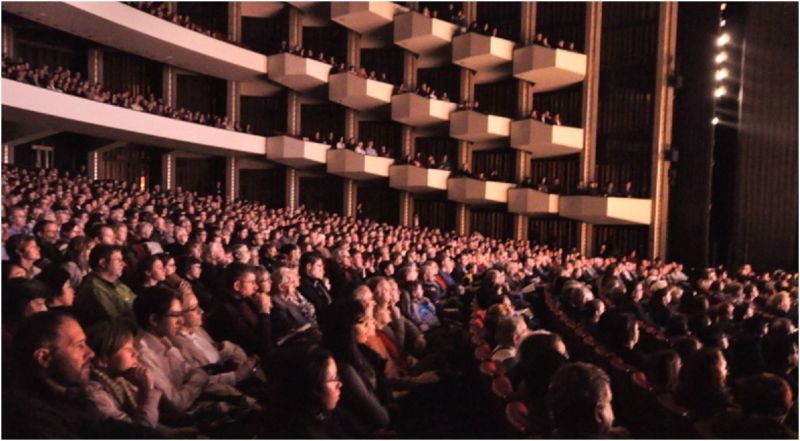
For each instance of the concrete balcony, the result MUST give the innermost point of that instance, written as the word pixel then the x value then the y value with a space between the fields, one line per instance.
pixel 352 165
pixel 548 68
pixel 42 107
pixel 296 152
pixel 545 140
pixel 476 192
pixel 358 93
pixel 532 202
pixel 430 38
pixel 417 179
pixel 128 29
pixel 487 131
pixel 298 73
pixel 606 211
pixel 365 17
pixel 490 57
pixel 419 111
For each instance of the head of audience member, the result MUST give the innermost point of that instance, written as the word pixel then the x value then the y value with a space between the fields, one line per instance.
pixel 107 262
pixel 23 298
pixel 540 355
pixel 158 311
pixel 663 370
pixel 192 312
pixel 46 231
pixel 766 395
pixel 345 326
pixel 78 251
pixel 103 234
pixel 189 268
pixel 494 314
pixel 780 353
pixel 22 251
pixel 50 350
pixel 312 266
pixel 618 330
pixel 263 280
pixel 62 292
pixel 702 379
pixel 112 343
pixel 510 331
pixel 285 282
pixel 150 271
pixel 241 253
pixel 240 280
pixel 579 400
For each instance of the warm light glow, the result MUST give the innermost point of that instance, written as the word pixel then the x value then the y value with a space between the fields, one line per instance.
pixel 721 57
pixel 715 121
pixel 723 6
pixel 720 91
pixel 721 74
pixel 142 183
pixel 723 39
pixel 722 23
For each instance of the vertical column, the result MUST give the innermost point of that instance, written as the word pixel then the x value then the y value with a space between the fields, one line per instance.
pixel 169 85
pixel 168 174
pixel 9 42
pixel 293 110
pixel 8 154
pixel 407 145
pixel 93 169
pixel 292 188
pixel 95 65
pixel 466 93
pixel 350 194
pixel 662 130
pixel 231 178
pixel 350 189
pixel 235 21
pixel 172 6
pixel 232 101
pixel 524 106
pixel 591 91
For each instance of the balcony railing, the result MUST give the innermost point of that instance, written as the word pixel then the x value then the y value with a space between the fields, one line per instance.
pixel 417 179
pixel 472 126
pixel 428 37
pixel 490 57
pixel 549 68
pixel 358 93
pixel 295 152
pixel 352 165
pixel 298 73
pixel 606 210
pixel 545 140
pixel 476 192
pixel 365 17
pixel 532 202
pixel 419 111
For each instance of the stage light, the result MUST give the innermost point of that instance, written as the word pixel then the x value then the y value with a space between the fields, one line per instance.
pixel 721 57
pixel 714 121
pixel 723 6
pixel 721 74
pixel 720 91
pixel 723 39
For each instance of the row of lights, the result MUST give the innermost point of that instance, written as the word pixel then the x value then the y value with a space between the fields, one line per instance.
pixel 722 72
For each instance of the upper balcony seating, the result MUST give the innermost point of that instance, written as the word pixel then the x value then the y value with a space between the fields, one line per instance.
pixel 352 165
pixel 490 57
pixel 365 17
pixel 476 192
pixel 473 126
pixel 427 37
pixel 131 30
pixel 298 73
pixel 545 140
pixel 358 93
pixel 601 210
pixel 295 152
pixel 40 106
pixel 419 111
pixel 417 179
pixel 549 68
pixel 532 202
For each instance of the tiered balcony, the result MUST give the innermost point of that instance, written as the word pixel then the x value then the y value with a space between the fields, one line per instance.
pixel 417 179
pixel 545 140
pixel 427 37
pixel 298 73
pixel 365 17
pixel 37 106
pixel 532 202
pixel 419 111
pixel 352 165
pixel 548 68
pixel 486 130
pixel 606 210
pixel 128 29
pixel 490 57
pixel 358 93
pixel 476 192
pixel 295 152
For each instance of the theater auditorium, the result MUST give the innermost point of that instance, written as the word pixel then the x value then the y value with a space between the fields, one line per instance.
pixel 397 220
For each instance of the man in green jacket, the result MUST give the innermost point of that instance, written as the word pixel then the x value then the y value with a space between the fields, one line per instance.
pixel 102 295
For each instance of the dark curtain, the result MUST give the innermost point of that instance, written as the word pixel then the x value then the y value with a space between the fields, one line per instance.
pixel 441 79
pixel 562 21
pixel 265 186
pixel 199 174
pixel 265 114
pixel 331 40
pixel 321 193
pixel 501 15
pixel 438 147
pixel 434 213
pixel 200 93
pixel 498 98
pixel 386 133
pixel 621 240
pixel 325 117
pixel 210 15
pixel 378 202
pixel 500 160
pixel 493 223
pixel 384 60
pixel 264 35
pixel 553 232
pixel 127 72
pixel 567 102
pixel 40 45
pixel 565 168
pixel 132 164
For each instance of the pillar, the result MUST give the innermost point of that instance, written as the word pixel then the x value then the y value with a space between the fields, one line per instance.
pixel 350 198
pixel 172 6
pixel 168 174
pixel 350 188
pixel 95 68
pixel 8 154
pixel 292 188
pixel 662 128
pixel 466 93
pixel 169 85
pixel 406 209
pixel 9 42
pixel 407 145
pixel 231 178
pixel 235 21
pixel 232 101
pixel 95 162
pixel 522 159
pixel 591 90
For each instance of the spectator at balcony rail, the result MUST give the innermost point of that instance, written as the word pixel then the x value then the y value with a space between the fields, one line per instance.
pixel 444 163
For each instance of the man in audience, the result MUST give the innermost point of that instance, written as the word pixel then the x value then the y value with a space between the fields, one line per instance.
pixel 102 295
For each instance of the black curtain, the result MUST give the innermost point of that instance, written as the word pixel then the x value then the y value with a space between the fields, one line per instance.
pixel 127 72
pixel 500 160
pixel 498 98
pixel 386 133
pixel 131 164
pixel 200 93
pixel 331 40
pixel 384 60
pixel 436 213
pixel 553 232
pixel 264 35
pixel 492 222
pixel 562 21
pixel 265 186
pixel 325 117
pixel 40 45
pixel 379 202
pixel 565 168
pixel 621 240
pixel 501 15
pixel 210 15
pixel 567 102
pixel 199 174
pixel 441 79
pixel 322 192
pixel 438 147
pixel 265 114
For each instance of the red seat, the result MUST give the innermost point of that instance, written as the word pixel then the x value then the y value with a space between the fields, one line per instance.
pixel 502 387
pixel 480 313
pixel 489 367
pixel 517 416
pixel 483 352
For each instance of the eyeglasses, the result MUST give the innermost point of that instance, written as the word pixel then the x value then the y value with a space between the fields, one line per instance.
pixel 336 381
pixel 192 309
pixel 173 314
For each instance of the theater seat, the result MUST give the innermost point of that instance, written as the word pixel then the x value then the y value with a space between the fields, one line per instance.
pixel 502 387
pixel 517 416
pixel 483 352
pixel 489 368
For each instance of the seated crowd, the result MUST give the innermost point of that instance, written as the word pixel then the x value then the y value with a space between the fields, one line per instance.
pixel 66 81
pixel 351 144
pixel 161 10
pixel 140 313
pixel 431 162
pixel 554 186
pixel 422 90
pixel 300 51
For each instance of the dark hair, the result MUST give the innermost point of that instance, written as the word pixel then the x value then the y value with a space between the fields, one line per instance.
pixel 108 336
pixel 15 244
pixel 39 226
pixel 144 266
pixel 540 358
pixel 701 386
pixel 686 345
pixel 34 332
pixel 96 231
pixel 677 326
pixel 338 330
pixel 663 369
pixel 575 391
pixel 236 271
pixel 17 293
pixel 76 246
pixel 764 394
pixel 299 379
pixel 54 278
pixel 615 329
pixel 155 300
pixel 308 258
pixel 102 252
pixel 185 263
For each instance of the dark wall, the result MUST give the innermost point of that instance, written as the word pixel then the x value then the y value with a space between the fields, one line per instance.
pixel 264 186
pixel 199 174
pixel 553 232
pixel 264 35
pixel 265 114
pixel 40 45
pixel 321 193
pixel 378 202
pixel 436 213
pixel 127 72
pixel 201 93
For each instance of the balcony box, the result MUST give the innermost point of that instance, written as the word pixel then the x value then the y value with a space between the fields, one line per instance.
pixel 490 57
pixel 606 211
pixel 545 140
pixel 472 126
pixel 531 202
pixel 365 17
pixel 422 35
pixel 358 93
pixel 298 73
pixel 476 192
pixel 296 152
pixel 352 165
pixel 37 106
pixel 419 111
pixel 417 179
pixel 548 68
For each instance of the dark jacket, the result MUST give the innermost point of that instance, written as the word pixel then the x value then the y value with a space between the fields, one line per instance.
pixel 237 320
pixel 316 293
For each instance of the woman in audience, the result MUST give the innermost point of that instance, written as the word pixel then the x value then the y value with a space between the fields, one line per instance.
pixel 23 252
pixel 702 384
pixel 619 332
pixel 62 293
pixel 150 272
pixel 663 371
pixel 21 298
